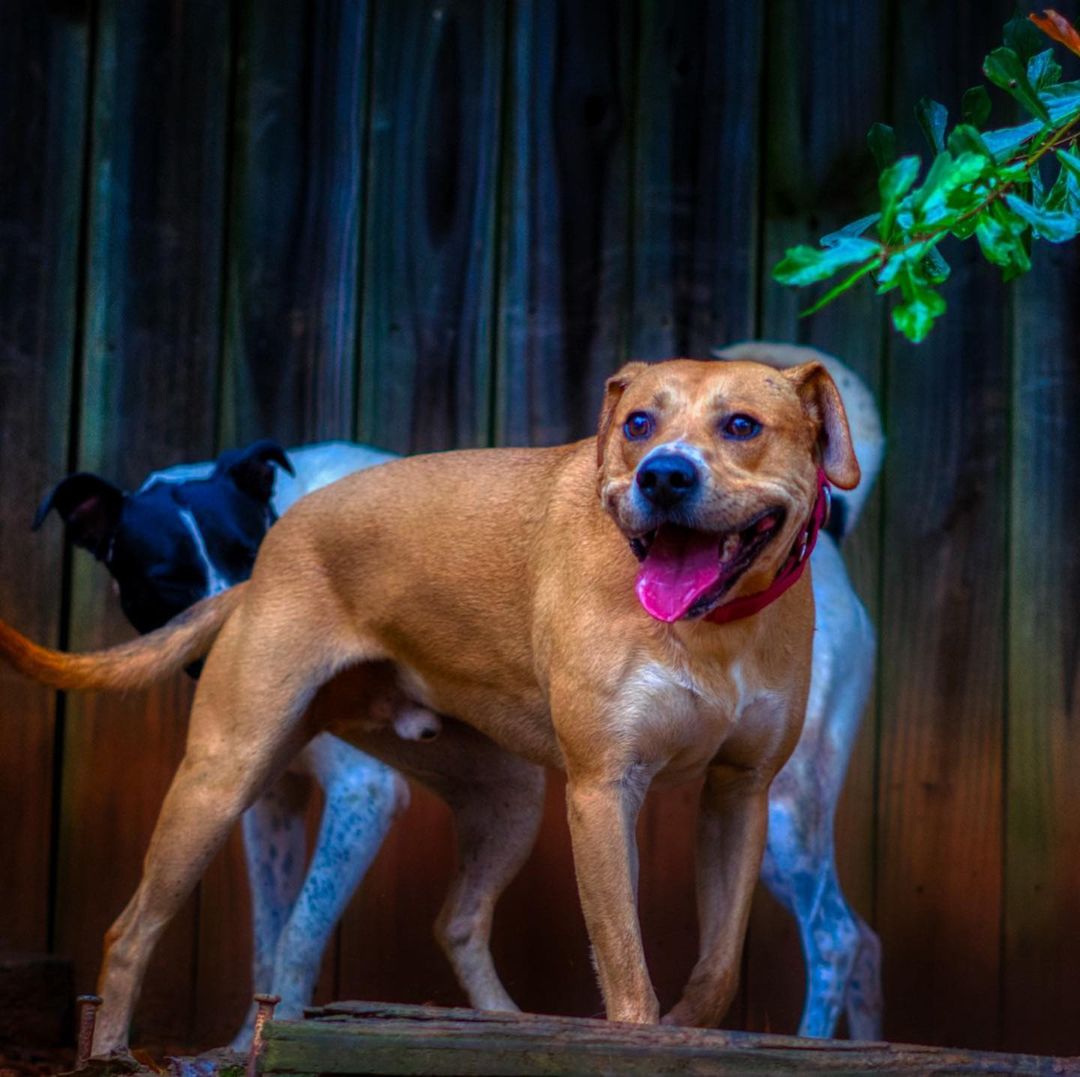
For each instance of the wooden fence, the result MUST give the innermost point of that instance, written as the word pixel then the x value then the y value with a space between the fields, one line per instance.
pixel 434 224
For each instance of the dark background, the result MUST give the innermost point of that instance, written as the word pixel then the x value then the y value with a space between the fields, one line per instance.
pixel 428 225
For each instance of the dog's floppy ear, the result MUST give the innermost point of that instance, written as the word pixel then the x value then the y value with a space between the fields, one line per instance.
pixel 250 468
pixel 90 507
pixel 614 388
pixel 822 403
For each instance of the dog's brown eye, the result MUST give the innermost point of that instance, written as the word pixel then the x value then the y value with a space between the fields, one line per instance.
pixel 638 426
pixel 741 427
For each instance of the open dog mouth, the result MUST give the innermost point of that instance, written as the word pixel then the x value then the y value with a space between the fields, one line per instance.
pixel 684 573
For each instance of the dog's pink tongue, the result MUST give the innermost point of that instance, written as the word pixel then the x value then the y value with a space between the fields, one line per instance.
pixel 680 567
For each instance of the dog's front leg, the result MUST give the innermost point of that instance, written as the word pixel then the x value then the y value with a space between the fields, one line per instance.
pixel 731 840
pixel 602 811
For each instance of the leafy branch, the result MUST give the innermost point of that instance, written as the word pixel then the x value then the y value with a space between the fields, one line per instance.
pixel 988 184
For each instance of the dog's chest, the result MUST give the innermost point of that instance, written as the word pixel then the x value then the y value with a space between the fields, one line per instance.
pixel 680 715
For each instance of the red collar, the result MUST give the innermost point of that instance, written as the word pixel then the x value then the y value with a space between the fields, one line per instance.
pixel 790 571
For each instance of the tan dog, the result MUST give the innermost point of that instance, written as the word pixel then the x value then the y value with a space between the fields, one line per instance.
pixel 501 584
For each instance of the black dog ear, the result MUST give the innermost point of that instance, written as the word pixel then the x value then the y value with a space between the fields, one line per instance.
pixel 90 507
pixel 250 468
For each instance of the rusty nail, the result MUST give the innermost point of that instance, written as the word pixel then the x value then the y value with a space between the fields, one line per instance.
pixel 263 1013
pixel 87 1007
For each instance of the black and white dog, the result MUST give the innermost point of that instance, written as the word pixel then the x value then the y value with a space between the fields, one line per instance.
pixel 193 530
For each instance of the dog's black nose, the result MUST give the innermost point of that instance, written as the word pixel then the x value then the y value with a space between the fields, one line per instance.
pixel 666 479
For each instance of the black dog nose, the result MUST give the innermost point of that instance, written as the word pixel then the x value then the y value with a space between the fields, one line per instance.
pixel 666 479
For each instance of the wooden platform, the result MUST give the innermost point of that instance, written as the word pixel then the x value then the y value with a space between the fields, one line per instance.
pixel 363 1038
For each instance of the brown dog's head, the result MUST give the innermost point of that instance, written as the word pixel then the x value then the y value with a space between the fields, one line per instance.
pixel 710 471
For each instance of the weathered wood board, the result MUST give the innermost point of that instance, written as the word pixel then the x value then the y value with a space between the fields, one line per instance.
pixel 349 1038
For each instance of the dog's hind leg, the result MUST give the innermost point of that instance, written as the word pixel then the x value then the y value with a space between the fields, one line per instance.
pixel 246 724
pixel 497 801
pixel 804 880
pixel 496 819
pixel 863 1003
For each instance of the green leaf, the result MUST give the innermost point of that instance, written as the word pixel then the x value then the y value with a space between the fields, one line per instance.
pixel 881 139
pixel 946 192
pixel 1007 141
pixel 807 265
pixel 856 228
pixel 893 184
pixel 839 289
pixel 966 139
pixel 1022 37
pixel 935 267
pixel 1000 236
pixel 1043 70
pixel 1062 101
pixel 1070 162
pixel 1054 225
pixel 933 118
pixel 975 107
pixel 1065 193
pixel 1004 68
pixel 915 316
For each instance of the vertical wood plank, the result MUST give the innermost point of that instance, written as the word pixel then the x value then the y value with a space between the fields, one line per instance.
pixel 564 218
pixel 429 253
pixel 695 178
pixel 819 175
pixel 429 292
pixel 942 645
pixel 694 244
pixel 149 399
pixel 294 231
pixel 292 292
pixel 1042 826
pixel 43 79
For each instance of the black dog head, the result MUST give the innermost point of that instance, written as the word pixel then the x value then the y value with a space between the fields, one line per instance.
pixel 171 543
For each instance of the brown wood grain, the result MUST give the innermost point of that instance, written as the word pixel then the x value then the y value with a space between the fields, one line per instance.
pixel 291 293
pixel 564 218
pixel 359 1037
pixel 152 310
pixel 429 252
pixel 43 71
pixel 295 215
pixel 695 183
pixel 1042 795
pixel 817 175
pixel 939 871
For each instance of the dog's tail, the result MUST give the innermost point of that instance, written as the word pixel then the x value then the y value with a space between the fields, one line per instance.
pixel 136 664
pixel 862 413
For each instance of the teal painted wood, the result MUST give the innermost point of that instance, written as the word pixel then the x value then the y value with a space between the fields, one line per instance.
pixel 153 322
pixel 565 218
pixel 695 177
pixel 294 234
pixel 817 175
pixel 429 265
pixel 43 70
pixel 943 609
pixel 1042 821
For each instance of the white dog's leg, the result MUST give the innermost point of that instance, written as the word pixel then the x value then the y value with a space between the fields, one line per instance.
pixel 804 879
pixel 296 913
pixel 362 798
pixel 275 849
pixel 863 1004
